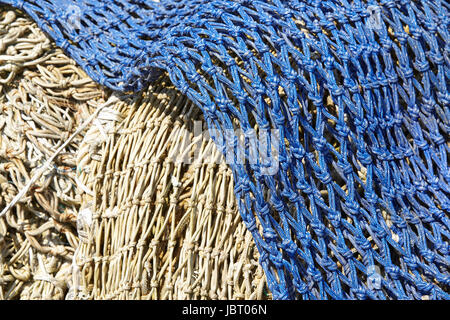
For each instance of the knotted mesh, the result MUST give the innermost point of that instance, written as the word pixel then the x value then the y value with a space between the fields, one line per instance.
pixel 350 99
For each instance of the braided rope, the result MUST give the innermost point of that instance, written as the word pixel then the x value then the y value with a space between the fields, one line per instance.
pixel 358 93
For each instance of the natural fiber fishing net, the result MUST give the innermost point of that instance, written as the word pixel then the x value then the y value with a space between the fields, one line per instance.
pixel 43 99
pixel 158 222
pixel 357 96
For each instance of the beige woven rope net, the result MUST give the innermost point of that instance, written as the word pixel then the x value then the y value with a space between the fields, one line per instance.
pixel 135 207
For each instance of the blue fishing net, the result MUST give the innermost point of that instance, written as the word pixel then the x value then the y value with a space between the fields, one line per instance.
pixel 347 194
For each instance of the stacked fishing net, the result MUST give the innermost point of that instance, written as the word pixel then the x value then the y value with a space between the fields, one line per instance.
pixel 358 92
pixel 121 215
pixel 43 99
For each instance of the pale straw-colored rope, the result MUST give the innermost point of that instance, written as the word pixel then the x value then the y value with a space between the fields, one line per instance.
pixel 153 226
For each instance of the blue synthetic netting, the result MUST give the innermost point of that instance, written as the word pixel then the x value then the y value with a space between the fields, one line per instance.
pixel 358 94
